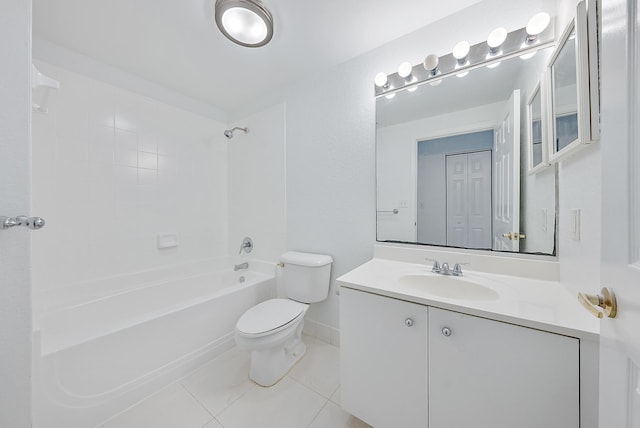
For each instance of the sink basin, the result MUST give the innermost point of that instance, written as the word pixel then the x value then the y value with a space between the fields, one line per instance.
pixel 450 287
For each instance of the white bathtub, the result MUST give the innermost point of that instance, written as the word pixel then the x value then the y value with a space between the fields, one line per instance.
pixel 95 359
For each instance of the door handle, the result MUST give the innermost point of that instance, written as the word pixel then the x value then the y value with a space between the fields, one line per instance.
pixel 514 236
pixel 606 300
pixel 33 223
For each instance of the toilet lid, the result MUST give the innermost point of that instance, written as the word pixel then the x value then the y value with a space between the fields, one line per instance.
pixel 269 315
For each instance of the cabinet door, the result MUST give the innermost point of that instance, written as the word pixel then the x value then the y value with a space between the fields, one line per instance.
pixel 383 360
pixel 489 374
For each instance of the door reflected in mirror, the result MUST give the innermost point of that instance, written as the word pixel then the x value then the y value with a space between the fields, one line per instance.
pixel 536 140
pixel 452 162
pixel 565 95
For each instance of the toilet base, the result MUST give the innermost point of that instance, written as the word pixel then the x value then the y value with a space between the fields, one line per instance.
pixel 268 366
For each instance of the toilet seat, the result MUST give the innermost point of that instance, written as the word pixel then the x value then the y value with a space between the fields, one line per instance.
pixel 269 317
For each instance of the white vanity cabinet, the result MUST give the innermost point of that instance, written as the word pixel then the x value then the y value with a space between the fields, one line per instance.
pixel 383 346
pixel 445 369
pixel 490 374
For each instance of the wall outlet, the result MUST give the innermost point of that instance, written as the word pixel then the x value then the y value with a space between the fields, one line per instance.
pixel 574 224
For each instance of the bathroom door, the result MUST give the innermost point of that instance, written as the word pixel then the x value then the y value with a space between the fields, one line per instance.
pixel 620 265
pixel 506 182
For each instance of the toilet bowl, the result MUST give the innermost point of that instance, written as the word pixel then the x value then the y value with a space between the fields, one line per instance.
pixel 272 330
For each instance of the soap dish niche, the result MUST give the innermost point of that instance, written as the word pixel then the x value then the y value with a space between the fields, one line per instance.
pixel 41 85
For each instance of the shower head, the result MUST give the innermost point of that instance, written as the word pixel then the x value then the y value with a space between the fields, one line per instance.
pixel 229 132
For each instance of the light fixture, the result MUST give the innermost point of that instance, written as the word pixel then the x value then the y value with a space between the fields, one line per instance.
pixel 404 70
pixel 463 58
pixel 245 22
pixel 495 39
pixel 460 52
pixel 381 80
pixel 431 64
pixel 536 25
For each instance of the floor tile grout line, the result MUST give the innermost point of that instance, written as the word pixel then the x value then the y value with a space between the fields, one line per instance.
pixel 317 414
pixel 192 395
pixel 253 386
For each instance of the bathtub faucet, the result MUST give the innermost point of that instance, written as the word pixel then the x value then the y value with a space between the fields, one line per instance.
pixel 244 265
pixel 246 246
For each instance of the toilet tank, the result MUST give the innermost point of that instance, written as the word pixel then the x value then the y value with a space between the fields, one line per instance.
pixel 305 276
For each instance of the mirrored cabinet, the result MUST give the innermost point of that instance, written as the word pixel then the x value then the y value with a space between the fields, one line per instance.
pixel 573 106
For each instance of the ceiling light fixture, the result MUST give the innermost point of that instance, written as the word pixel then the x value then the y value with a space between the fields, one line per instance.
pixel 536 25
pixel 245 22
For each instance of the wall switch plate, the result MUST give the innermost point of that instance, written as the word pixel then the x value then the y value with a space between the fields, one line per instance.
pixel 574 224
pixel 167 240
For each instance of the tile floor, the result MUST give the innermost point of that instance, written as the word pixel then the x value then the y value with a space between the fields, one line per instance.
pixel 220 395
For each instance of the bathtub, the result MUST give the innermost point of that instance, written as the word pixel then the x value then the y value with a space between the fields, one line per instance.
pixel 95 359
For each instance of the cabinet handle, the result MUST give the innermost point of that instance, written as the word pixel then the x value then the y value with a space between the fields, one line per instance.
pixel 408 322
pixel 446 331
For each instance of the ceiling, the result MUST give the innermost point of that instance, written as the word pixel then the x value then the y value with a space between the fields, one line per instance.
pixel 175 43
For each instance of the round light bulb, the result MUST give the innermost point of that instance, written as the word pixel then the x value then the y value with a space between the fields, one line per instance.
pixel 244 25
pixel 404 70
pixel 538 23
pixel 381 79
pixel 461 50
pixel 496 38
pixel 431 62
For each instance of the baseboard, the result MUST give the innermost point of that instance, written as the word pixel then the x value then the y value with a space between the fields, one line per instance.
pixel 322 332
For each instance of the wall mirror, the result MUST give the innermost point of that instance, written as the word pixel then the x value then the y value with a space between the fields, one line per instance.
pixel 450 167
pixel 537 131
pixel 574 115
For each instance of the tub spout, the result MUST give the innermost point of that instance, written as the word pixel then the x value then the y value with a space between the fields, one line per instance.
pixel 244 265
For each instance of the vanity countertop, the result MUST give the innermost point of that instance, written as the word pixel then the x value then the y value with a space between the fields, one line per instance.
pixel 534 303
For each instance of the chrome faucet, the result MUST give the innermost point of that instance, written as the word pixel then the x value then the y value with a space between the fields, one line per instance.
pixel 246 246
pixel 444 269
pixel 244 265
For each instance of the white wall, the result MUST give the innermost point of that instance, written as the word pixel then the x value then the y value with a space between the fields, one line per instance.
pixel 113 169
pixel 257 185
pixel 330 135
pixel 15 146
pixel 579 188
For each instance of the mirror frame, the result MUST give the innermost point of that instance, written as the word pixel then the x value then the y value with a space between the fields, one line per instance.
pixel 539 89
pixel 587 116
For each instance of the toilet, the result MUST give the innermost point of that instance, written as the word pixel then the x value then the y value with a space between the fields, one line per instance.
pixel 272 330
